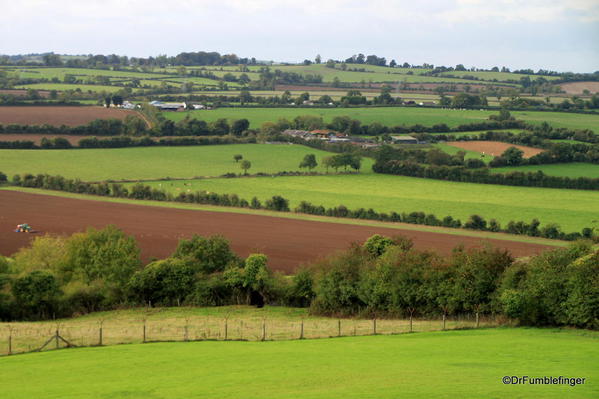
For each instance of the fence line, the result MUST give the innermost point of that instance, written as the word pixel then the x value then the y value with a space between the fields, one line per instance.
pixel 30 337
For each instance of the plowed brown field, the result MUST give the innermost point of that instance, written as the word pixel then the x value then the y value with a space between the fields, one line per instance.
pixel 70 116
pixel 493 148
pixel 287 242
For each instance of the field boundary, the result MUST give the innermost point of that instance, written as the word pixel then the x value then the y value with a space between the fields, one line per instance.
pixel 22 337
pixel 297 216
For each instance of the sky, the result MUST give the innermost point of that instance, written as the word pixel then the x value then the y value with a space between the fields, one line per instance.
pixel 560 35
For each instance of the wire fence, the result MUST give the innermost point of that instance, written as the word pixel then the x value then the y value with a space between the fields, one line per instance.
pixel 26 337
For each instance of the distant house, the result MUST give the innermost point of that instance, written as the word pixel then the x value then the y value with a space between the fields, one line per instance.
pixel 404 140
pixel 322 134
pixel 199 106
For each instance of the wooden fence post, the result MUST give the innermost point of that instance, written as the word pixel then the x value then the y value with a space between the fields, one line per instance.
pixel 477 320
pixel 444 320
pixel 226 327
pixel 339 327
pixel 101 334
pixel 144 332
pixel 263 329
pixel 9 340
pixel 56 337
pixel 374 326
pixel 302 330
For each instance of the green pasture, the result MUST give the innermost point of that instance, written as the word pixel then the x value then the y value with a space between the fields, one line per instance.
pixel 572 209
pixel 158 162
pixel 449 364
pixel 63 87
pixel 49 73
pixel 391 116
pixel 575 169
pixel 499 76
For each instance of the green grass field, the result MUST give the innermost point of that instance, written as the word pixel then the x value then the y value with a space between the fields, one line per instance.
pixel 64 87
pixel 499 76
pixel 391 116
pixel 575 169
pixel 450 364
pixel 572 209
pixel 158 162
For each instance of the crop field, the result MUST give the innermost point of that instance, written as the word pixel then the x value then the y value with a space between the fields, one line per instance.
pixel 159 227
pixel 572 209
pixel 391 116
pixel 159 162
pixel 60 115
pixel 494 148
pixel 448 364
pixel 575 169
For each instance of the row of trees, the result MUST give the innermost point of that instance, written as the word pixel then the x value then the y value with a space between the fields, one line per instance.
pixel 101 270
pixel 277 203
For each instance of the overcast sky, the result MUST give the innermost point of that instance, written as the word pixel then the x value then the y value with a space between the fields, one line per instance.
pixel 559 35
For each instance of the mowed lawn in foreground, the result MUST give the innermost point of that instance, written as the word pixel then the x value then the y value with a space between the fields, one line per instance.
pixel 159 162
pixel 451 364
pixel 391 116
pixel 572 209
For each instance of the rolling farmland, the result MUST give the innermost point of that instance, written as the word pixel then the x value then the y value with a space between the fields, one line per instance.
pixel 392 116
pixel 572 209
pixel 159 162
pixel 56 115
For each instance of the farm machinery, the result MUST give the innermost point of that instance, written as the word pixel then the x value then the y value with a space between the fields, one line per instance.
pixel 23 228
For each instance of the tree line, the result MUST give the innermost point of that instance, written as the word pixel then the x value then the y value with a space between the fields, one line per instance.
pixel 384 277
pixel 140 191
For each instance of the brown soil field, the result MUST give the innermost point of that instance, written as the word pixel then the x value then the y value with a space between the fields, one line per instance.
pixel 287 242
pixel 579 87
pixel 494 148
pixel 21 92
pixel 70 116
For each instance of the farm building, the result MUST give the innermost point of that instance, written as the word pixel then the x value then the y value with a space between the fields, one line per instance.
pixel 304 134
pixel 168 106
pixel 404 140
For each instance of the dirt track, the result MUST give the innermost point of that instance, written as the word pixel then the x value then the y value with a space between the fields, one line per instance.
pixel 287 242
pixel 494 148
pixel 70 116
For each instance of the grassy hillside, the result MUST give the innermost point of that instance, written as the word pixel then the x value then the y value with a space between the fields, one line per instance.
pixel 391 116
pixel 157 162
pixel 572 209
pixel 466 364
pixel 575 169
